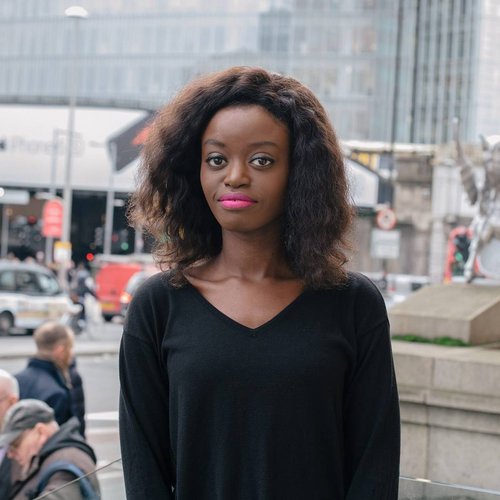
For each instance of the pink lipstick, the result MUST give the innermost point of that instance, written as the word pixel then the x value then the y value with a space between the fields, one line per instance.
pixel 235 201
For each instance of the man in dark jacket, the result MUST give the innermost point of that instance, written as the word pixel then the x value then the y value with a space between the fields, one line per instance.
pixel 77 395
pixel 37 443
pixel 48 376
pixel 9 396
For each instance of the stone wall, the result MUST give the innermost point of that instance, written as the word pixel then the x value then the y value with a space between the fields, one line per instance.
pixel 450 412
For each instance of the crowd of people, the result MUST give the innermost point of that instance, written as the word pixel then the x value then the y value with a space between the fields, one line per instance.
pixel 42 417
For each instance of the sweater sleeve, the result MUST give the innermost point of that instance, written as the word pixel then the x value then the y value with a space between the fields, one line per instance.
pixel 144 408
pixel 371 415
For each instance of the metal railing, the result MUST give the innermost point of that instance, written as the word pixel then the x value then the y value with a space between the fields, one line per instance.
pixel 111 484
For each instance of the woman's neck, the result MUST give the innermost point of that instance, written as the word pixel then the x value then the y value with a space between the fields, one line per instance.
pixel 252 257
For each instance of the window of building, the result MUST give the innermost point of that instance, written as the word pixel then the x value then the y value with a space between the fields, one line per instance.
pixel 330 82
pixel 333 37
pixel 364 40
pixel 361 124
pixel 363 80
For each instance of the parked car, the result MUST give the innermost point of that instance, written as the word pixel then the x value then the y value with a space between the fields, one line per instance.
pixel 135 281
pixel 400 286
pixel 110 282
pixel 29 296
pixel 396 287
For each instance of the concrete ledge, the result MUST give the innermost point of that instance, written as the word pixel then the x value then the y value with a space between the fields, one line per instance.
pixel 464 311
pixel 450 413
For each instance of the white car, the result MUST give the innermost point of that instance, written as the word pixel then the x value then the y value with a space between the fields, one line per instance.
pixel 29 296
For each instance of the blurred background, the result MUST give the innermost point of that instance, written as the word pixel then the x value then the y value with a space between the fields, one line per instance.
pixel 392 75
pixel 80 83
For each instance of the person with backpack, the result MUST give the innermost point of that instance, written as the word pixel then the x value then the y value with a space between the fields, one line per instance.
pixel 50 456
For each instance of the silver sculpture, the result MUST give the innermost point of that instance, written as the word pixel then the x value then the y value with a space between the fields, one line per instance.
pixel 485 192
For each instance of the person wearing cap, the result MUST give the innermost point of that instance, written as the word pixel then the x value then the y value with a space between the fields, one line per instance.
pixel 9 395
pixel 36 442
pixel 51 374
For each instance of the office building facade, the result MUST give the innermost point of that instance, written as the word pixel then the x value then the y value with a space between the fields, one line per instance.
pixel 386 70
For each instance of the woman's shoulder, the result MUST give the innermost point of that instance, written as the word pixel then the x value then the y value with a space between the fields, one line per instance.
pixel 150 307
pixel 361 284
pixel 359 299
pixel 357 286
pixel 156 286
pixel 369 304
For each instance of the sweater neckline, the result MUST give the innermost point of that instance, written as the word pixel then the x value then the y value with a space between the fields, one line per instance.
pixel 235 324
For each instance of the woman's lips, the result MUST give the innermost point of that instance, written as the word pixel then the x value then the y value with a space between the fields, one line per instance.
pixel 235 201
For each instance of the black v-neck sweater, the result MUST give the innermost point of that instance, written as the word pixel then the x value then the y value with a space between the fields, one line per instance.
pixel 304 407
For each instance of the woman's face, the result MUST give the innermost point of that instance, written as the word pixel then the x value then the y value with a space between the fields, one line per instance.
pixel 244 168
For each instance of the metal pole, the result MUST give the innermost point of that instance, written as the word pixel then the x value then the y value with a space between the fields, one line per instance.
pixel 138 241
pixel 110 199
pixel 49 241
pixel 5 231
pixel 395 99
pixel 75 13
pixel 68 191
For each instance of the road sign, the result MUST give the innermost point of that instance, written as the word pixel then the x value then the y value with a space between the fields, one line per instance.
pixel 52 218
pixel 386 219
pixel 385 244
pixel 62 252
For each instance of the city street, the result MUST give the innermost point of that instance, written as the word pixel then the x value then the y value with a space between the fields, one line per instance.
pixel 99 371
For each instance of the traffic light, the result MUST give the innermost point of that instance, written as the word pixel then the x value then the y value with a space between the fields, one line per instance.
pixel 31 220
pixel 123 238
pixel 461 254
pixel 99 236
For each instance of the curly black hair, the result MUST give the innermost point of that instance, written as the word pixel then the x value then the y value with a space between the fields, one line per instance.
pixel 169 203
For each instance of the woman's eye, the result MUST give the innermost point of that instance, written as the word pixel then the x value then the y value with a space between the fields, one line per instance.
pixel 216 161
pixel 262 161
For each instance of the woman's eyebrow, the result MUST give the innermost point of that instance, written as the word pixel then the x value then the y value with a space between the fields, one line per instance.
pixel 264 143
pixel 214 142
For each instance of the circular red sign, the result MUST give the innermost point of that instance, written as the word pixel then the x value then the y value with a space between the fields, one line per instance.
pixel 386 218
pixel 52 218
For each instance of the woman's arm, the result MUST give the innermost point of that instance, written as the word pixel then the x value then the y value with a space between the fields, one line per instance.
pixel 144 416
pixel 371 420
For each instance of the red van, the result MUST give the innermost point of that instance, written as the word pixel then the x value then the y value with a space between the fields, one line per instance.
pixel 111 280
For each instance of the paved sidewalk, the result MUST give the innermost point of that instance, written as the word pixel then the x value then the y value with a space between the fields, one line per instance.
pixel 82 348
pixel 104 340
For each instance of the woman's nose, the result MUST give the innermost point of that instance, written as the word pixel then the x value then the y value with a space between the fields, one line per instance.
pixel 236 175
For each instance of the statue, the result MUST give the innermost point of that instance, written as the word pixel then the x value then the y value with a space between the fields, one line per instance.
pixel 486 194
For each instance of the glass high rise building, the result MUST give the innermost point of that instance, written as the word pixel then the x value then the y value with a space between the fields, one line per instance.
pixel 140 52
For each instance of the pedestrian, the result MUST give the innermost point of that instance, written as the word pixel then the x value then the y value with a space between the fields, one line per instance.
pixel 9 395
pixel 49 455
pixel 77 395
pixel 257 367
pixel 49 376
pixel 82 288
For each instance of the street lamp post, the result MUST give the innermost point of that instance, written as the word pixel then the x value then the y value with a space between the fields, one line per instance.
pixel 110 198
pixel 76 13
pixel 49 240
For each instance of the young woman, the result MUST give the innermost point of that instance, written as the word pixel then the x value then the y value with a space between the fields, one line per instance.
pixel 257 367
